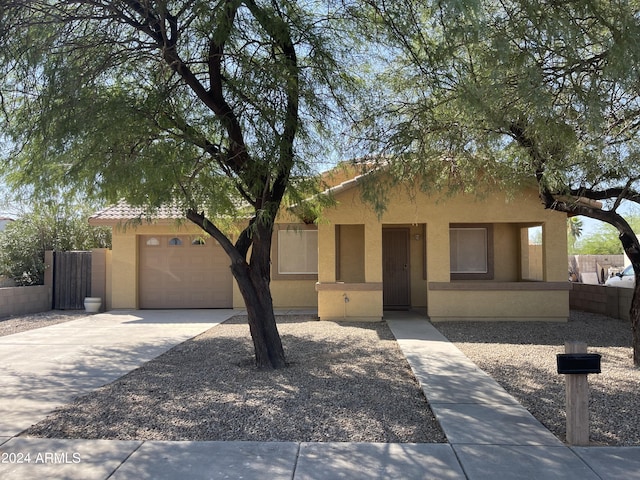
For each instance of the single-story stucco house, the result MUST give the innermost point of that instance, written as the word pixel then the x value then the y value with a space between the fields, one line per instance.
pixel 452 257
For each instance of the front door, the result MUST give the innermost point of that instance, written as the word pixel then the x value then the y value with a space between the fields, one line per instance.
pixel 395 268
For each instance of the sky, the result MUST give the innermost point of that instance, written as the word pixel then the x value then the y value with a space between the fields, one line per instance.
pixel 591 226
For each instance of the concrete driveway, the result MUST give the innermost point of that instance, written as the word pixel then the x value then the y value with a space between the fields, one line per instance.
pixel 490 435
pixel 48 367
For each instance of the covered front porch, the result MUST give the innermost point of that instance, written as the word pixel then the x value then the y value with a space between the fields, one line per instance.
pixel 450 271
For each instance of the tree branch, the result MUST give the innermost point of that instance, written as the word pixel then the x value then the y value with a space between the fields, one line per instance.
pixel 280 33
pixel 203 222
pixel 608 193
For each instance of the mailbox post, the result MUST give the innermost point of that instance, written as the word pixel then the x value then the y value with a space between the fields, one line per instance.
pixel 576 364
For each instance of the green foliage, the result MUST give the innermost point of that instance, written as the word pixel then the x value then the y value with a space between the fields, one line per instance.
pixel 210 106
pixel 59 228
pixel 574 232
pixel 508 92
pixel 605 240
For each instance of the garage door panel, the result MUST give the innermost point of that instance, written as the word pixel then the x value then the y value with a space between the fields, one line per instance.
pixel 184 276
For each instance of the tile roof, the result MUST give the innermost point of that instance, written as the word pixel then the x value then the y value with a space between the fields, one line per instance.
pixel 122 211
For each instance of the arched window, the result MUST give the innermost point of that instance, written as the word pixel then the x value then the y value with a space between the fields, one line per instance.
pixel 175 242
pixel 153 242
pixel 198 241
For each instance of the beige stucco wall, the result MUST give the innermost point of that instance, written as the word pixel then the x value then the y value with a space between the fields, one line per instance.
pixel 421 212
pixel 417 253
pixel 124 268
pixel 499 305
pixel 122 271
pixel 350 302
pixel 428 219
pixel 351 260
pixel 101 276
pixel 286 294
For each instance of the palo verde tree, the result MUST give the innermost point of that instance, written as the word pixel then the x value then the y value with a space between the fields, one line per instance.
pixel 520 90
pixel 213 107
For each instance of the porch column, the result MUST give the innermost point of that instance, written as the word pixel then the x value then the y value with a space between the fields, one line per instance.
pixel 373 252
pixel 554 247
pixel 326 253
pixel 438 255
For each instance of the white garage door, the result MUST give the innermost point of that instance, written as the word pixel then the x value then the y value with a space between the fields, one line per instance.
pixel 183 271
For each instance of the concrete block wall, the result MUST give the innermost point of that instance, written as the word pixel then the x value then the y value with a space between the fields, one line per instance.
pixel 609 301
pixel 22 300
pixel 624 302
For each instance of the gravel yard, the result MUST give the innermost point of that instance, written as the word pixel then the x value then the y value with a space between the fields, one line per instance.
pixel 346 382
pixel 522 358
pixel 21 323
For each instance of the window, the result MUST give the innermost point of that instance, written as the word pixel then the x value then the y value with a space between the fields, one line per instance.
pixel 153 242
pixel 468 250
pixel 471 252
pixel 198 241
pixel 297 252
pixel 175 242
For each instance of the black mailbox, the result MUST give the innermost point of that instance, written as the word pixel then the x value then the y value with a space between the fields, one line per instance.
pixel 576 363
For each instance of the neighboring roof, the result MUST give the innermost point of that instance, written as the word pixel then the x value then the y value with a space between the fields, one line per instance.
pixel 122 212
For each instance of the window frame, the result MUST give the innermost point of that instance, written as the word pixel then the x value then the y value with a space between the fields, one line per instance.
pixel 152 242
pixel 489 274
pixel 179 242
pixel 275 270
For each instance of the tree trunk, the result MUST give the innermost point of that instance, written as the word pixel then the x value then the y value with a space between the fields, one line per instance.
pixel 628 239
pixel 634 316
pixel 256 293
pixel 631 247
pixel 254 280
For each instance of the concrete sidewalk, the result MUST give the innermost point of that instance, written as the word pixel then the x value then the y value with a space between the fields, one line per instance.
pixel 490 434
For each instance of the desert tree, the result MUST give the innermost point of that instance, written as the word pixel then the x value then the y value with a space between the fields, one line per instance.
pixel 221 109
pixel 517 91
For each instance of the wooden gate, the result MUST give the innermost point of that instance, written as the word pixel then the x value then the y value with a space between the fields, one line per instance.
pixel 71 279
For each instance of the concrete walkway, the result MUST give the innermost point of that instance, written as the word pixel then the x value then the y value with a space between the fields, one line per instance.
pixel 490 434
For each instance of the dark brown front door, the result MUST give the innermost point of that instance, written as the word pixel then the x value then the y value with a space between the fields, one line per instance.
pixel 395 268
